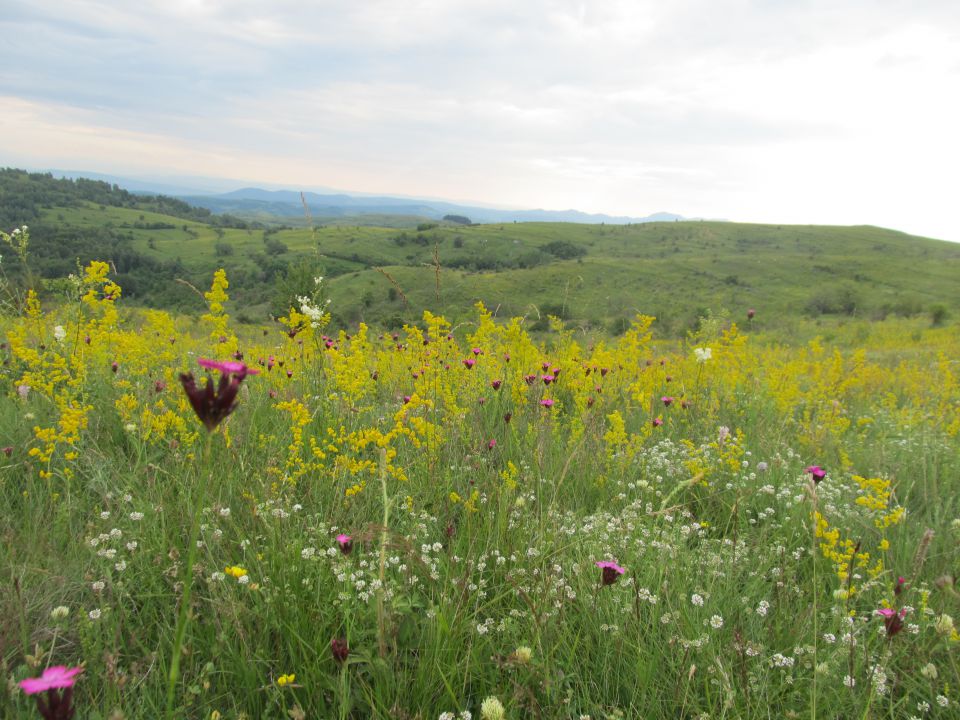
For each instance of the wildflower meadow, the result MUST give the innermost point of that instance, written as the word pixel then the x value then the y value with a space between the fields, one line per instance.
pixel 207 520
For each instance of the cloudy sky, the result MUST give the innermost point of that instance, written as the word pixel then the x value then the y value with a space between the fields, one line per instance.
pixel 790 111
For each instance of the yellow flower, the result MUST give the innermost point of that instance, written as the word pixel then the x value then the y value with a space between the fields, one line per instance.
pixel 284 680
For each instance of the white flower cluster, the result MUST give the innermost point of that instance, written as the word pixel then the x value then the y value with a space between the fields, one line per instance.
pixel 313 311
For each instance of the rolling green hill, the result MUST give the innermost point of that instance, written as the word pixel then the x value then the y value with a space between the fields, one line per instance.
pixel 590 275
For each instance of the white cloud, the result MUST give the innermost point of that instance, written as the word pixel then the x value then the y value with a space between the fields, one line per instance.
pixel 805 111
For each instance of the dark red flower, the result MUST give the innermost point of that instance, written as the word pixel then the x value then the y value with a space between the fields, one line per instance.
pixel 340 649
pixel 817 473
pixel 213 406
pixel 892 620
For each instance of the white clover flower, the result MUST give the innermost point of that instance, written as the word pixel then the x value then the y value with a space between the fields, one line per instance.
pixel 943 701
pixel 132 545
pixel 60 612
pixel 716 622
pixel 492 709
pixel 136 516
pixel 696 600
pixel 849 681
pixel 944 625
pixel 94 614
pixel 120 566
pixel 98 586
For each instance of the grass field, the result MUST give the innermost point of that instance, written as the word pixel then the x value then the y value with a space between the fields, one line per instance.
pixel 728 526
pixel 593 276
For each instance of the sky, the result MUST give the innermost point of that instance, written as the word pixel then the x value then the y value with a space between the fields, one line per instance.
pixel 787 111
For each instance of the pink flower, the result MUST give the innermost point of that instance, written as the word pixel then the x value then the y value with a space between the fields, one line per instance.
pixel 529 379
pixel 213 406
pixel 492 444
pixel 547 403
pixel 345 542
pixel 476 351
pixel 469 363
pixel 547 379
pixel 546 366
pixel 227 367
pixel 750 313
pixel 657 422
pixel 898 588
pixel 666 400
pixel 892 620
pixel 609 571
pixel 495 384
pixel 816 472
pixel 58 676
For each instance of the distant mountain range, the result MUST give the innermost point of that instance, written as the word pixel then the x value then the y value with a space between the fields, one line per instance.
pixel 253 201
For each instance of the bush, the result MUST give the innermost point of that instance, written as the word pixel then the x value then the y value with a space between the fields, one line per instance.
pixel 938 314
pixel 564 249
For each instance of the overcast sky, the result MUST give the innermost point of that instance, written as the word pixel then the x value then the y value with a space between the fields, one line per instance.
pixel 790 111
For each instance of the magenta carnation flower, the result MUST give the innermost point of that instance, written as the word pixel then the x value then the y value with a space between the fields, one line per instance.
pixel 213 406
pixel 547 403
pixel 227 367
pixel 609 571
pixel 892 620
pixel 816 472
pixel 345 542
pixel 58 676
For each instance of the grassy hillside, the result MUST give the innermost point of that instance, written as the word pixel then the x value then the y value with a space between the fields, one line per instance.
pixel 590 275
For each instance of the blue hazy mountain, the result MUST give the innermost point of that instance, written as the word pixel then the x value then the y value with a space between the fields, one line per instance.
pixel 215 195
